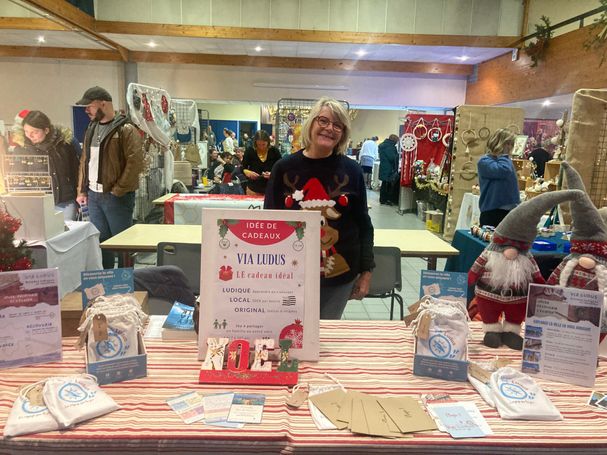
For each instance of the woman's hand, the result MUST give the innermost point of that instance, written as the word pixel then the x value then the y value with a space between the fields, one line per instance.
pixel 251 174
pixel 361 286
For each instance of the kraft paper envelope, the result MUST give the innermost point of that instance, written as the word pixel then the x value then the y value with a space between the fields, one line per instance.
pixel 378 421
pixel 359 421
pixel 408 415
pixel 329 403
pixel 345 412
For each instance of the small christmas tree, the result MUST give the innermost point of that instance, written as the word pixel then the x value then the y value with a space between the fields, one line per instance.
pixel 12 257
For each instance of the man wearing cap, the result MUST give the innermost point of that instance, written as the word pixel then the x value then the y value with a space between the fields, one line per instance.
pixel 112 158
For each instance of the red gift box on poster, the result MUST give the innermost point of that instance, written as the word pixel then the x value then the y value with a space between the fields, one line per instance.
pixel 225 273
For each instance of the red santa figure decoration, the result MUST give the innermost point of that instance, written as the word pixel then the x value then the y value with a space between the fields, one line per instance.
pixel 586 265
pixel 504 270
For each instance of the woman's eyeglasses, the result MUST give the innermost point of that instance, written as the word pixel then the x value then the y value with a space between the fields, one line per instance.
pixel 324 122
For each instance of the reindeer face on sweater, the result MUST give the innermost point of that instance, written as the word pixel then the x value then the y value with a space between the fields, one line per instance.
pixel 313 196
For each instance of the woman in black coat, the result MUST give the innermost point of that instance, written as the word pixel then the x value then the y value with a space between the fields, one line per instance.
pixel 257 163
pixel 42 138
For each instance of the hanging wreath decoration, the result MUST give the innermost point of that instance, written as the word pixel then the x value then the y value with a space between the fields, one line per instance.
pixel 543 34
pixel 434 133
pixel 448 134
pixel 423 130
pixel 468 136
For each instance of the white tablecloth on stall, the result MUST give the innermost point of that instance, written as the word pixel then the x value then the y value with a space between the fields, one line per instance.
pixel 469 213
pixel 187 208
pixel 72 252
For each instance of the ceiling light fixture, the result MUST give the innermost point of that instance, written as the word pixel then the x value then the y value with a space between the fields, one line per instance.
pixel 151 44
pixel 463 58
pixel 361 52
pixel 546 103
pixel 258 48
pixel 41 39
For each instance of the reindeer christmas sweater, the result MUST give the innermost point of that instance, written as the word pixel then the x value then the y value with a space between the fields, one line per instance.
pixel 335 187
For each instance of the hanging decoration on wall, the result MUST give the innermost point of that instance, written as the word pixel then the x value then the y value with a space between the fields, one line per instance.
pixel 420 131
pixel 468 135
pixel 484 132
pixel 448 134
pixel 543 34
pixel 149 109
pixel 434 133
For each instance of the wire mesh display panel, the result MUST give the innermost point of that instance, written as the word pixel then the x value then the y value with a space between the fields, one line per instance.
pixel 598 187
pixel 290 115
pixel 27 173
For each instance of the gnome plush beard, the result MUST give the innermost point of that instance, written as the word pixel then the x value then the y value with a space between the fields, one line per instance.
pixel 507 273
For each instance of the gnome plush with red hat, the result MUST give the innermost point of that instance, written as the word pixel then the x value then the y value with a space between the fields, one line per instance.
pixel 314 197
pixel 586 265
pixel 504 270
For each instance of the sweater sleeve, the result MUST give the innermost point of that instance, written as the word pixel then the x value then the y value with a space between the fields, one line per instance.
pixel 367 261
pixel 477 269
pixel 274 196
pixel 495 168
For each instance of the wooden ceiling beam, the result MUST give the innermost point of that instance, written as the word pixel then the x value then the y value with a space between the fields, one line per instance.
pixel 59 52
pixel 65 12
pixel 239 60
pixel 30 23
pixel 311 36
pixel 301 63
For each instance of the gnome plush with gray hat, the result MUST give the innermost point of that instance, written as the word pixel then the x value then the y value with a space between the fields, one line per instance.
pixel 504 270
pixel 586 265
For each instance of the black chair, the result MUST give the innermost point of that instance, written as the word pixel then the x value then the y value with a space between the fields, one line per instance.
pixel 186 256
pixel 386 278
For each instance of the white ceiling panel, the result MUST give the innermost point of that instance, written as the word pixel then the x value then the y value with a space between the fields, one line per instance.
pixel 375 52
pixel 51 39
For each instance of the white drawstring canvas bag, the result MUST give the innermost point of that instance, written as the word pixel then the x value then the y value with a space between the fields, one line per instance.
pixel 441 328
pixel 518 397
pixel 27 417
pixel 73 399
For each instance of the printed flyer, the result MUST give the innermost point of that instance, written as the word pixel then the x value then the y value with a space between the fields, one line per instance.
pixel 260 277
pixel 562 334
pixel 444 285
pixel 30 318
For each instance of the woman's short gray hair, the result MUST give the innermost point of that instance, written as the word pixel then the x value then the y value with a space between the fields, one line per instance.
pixel 338 111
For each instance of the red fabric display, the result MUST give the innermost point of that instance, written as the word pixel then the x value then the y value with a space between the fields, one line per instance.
pixel 428 129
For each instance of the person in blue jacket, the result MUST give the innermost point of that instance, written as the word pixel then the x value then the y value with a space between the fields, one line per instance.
pixel 497 179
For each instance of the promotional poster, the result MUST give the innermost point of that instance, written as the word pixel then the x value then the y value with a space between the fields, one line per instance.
pixel 260 277
pixel 562 334
pixel 30 318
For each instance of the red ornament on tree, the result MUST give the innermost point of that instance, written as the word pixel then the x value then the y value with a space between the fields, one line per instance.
pixel 293 332
pixel 12 257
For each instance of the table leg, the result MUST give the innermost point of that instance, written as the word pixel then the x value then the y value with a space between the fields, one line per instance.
pixel 127 259
pixel 431 262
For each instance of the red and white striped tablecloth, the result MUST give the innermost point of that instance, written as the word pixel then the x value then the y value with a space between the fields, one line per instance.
pixel 374 357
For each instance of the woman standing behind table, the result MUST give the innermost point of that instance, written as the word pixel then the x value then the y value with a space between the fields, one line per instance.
pixel 258 162
pixel 228 142
pixel 42 138
pixel 320 177
pixel 497 179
